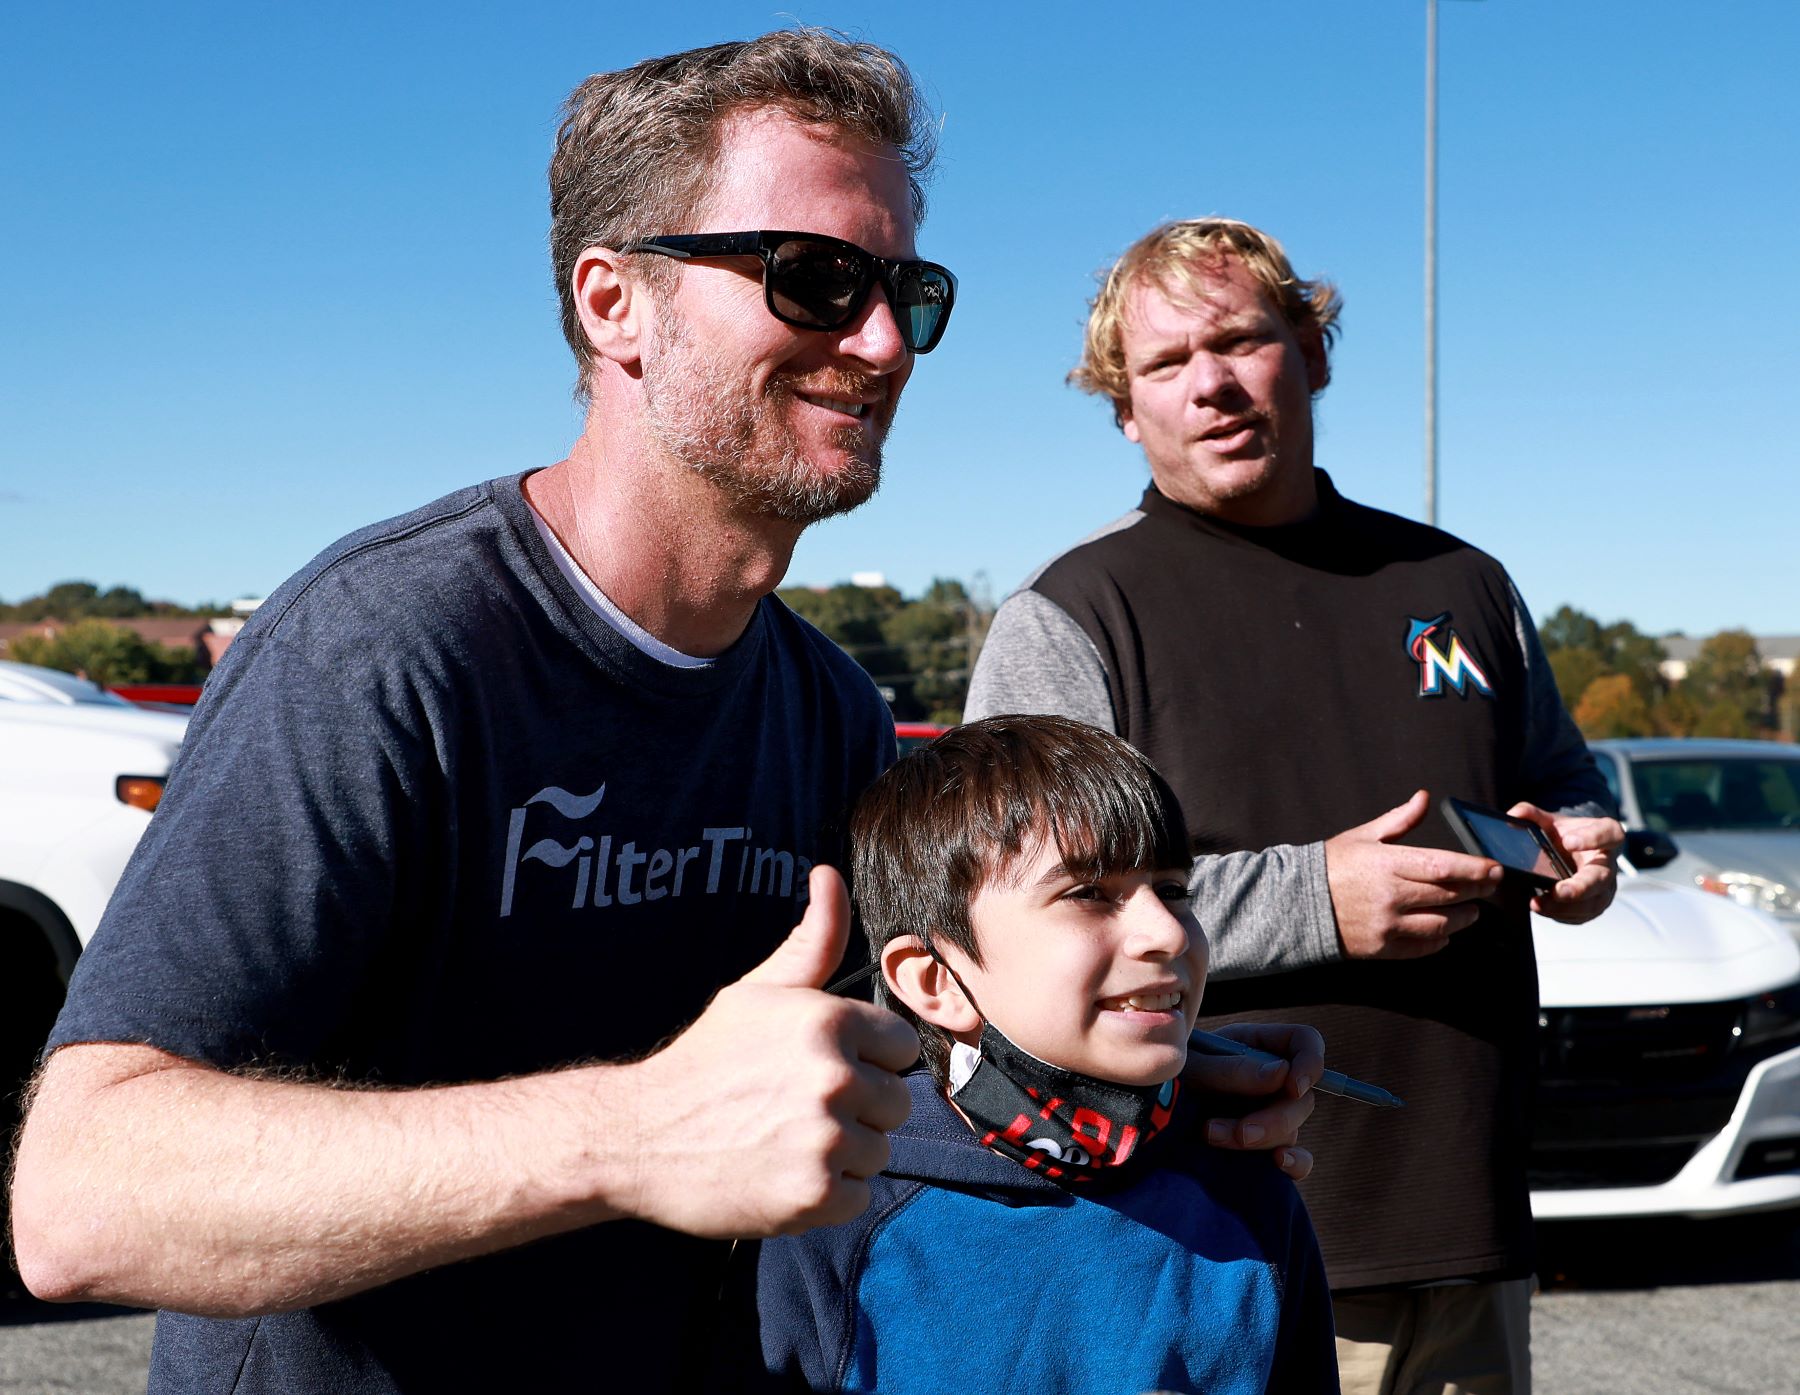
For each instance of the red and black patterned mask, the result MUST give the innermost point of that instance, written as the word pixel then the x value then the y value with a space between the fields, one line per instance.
pixel 1068 1126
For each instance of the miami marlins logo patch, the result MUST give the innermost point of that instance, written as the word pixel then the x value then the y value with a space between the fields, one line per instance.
pixel 1443 664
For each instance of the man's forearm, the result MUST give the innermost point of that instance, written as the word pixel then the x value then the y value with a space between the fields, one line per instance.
pixel 148 1180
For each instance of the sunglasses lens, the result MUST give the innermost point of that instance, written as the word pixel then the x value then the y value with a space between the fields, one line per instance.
pixel 817 283
pixel 823 283
pixel 926 293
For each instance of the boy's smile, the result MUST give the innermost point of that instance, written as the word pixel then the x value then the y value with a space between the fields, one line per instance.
pixel 1101 976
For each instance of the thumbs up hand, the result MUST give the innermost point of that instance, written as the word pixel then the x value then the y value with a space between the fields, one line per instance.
pixel 770 1113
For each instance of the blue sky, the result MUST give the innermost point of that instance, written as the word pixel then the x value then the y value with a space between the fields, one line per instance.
pixel 271 272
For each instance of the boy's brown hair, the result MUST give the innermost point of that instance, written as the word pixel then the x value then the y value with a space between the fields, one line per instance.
pixel 958 814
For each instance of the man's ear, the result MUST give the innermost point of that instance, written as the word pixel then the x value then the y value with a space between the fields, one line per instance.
pixel 919 979
pixel 1317 360
pixel 1127 424
pixel 610 303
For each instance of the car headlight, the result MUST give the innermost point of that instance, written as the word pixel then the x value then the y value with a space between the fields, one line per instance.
pixel 1759 893
pixel 1769 1017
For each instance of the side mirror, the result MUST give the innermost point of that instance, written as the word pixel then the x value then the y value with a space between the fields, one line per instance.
pixel 1646 849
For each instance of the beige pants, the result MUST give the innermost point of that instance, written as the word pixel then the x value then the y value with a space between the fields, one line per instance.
pixel 1451 1339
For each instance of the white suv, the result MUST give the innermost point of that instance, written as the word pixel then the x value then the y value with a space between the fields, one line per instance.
pixel 80 771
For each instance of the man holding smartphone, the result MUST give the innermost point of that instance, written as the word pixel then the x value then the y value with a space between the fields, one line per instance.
pixel 1304 670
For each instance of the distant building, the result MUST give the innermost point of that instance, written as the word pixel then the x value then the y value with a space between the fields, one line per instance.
pixel 206 638
pixel 1779 655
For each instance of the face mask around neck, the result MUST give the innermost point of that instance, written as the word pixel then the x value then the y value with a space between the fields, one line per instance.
pixel 1068 1126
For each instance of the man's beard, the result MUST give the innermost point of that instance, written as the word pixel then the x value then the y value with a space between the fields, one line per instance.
pixel 717 424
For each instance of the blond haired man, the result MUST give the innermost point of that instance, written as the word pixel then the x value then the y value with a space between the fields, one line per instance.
pixel 1308 673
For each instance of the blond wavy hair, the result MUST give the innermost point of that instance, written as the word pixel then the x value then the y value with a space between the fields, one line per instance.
pixel 1177 257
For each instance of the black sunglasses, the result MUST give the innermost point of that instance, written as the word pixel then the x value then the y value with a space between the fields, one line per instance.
pixel 819 282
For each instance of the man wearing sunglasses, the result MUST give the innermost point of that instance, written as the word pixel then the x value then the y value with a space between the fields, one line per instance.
pixel 536 778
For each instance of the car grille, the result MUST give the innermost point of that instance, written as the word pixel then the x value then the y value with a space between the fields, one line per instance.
pixel 1635 1047
pixel 1628 1095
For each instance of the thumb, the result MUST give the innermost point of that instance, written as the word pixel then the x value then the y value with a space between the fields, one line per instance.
pixel 1400 820
pixel 810 955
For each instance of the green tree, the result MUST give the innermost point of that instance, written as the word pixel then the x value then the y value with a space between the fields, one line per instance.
pixel 1727 684
pixel 1677 714
pixel 82 600
pixel 108 654
pixel 123 602
pixel 1569 628
pixel 849 615
pixel 919 651
pixel 1788 709
pixel 1576 671
pixel 922 626
pixel 1582 650
pixel 1639 657
pixel 1726 718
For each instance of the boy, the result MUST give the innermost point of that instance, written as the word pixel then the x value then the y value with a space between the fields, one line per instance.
pixel 1023 885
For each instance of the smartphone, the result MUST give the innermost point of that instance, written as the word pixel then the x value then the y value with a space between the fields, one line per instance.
pixel 1516 844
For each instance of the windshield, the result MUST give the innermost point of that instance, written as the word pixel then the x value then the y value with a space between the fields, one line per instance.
pixel 1678 796
pixel 30 683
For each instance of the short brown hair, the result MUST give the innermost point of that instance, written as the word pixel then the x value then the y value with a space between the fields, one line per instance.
pixel 951 817
pixel 1174 256
pixel 636 148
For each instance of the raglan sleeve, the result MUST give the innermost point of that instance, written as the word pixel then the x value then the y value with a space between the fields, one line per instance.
pixel 801 1310
pixel 1557 771
pixel 1266 911
pixel 1037 659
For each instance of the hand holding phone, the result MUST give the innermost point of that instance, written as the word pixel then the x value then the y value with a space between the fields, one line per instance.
pixel 1516 844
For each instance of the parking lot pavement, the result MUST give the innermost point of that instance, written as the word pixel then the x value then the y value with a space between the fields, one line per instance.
pixel 1628 1308
pixel 1669 1307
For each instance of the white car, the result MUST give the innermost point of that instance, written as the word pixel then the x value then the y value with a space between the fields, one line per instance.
pixel 1669 1051
pixel 1733 808
pixel 80 772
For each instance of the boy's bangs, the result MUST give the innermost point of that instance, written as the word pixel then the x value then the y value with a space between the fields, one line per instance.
pixel 1105 827
pixel 1108 813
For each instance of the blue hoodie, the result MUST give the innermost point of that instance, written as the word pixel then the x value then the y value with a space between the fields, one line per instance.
pixel 1198 1271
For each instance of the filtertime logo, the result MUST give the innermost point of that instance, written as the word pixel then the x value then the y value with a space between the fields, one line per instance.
pixel 603 868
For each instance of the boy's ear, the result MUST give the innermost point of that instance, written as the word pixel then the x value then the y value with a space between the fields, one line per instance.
pixel 917 978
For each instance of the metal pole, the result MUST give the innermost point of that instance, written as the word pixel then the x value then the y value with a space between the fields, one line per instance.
pixel 1431 441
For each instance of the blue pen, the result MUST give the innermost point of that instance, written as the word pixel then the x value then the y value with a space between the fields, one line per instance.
pixel 1332 1082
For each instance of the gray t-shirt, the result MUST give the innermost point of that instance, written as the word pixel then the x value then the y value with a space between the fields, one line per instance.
pixel 435 821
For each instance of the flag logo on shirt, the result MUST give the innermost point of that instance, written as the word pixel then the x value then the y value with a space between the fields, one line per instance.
pixel 1443 661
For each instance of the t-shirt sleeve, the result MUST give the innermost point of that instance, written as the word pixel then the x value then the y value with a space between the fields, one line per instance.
pixel 286 848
